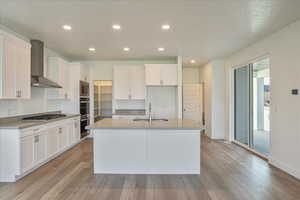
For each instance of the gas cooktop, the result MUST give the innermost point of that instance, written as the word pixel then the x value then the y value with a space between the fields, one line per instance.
pixel 45 117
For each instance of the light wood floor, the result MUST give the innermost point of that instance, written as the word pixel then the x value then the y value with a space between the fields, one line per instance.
pixel 228 172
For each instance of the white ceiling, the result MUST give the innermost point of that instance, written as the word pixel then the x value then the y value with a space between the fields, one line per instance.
pixel 200 29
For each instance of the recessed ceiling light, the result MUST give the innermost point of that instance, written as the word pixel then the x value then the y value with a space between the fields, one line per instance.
pixel 67 27
pixel 126 49
pixel 92 49
pixel 166 27
pixel 160 49
pixel 116 27
pixel 193 61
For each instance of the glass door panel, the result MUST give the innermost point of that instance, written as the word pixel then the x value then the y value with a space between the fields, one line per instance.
pixel 242 104
pixel 261 107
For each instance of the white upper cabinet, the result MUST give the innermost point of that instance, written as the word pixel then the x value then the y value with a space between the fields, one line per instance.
pixel 24 71
pixel 121 83
pixel 152 74
pixel 84 73
pixel 137 82
pixel 161 74
pixel 129 82
pixel 14 68
pixel 58 71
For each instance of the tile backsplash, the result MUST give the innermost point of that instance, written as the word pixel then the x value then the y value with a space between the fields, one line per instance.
pixel 37 104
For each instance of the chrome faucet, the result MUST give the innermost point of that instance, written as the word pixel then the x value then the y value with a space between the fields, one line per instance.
pixel 150 115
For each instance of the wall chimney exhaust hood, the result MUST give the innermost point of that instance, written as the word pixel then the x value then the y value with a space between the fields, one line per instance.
pixel 37 67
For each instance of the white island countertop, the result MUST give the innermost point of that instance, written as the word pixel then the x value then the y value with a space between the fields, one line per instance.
pixel 177 124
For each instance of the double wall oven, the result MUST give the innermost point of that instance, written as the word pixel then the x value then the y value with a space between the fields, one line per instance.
pixel 84 107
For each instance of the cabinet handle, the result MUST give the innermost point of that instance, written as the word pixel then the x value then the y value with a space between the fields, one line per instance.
pixel 20 93
pixel 36 139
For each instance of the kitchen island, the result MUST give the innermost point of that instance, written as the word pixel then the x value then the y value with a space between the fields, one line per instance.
pixel 125 146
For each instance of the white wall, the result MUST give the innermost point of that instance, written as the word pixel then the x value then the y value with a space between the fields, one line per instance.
pixel 283 49
pixel 38 102
pixel 213 77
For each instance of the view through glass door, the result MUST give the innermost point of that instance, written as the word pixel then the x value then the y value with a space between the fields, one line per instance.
pixel 261 106
pixel 252 106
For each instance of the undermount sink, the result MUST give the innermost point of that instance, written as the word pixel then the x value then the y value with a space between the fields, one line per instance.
pixel 147 120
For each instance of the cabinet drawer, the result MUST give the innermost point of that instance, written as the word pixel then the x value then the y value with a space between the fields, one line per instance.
pixel 32 130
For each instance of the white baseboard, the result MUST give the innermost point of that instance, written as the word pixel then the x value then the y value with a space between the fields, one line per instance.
pixel 292 171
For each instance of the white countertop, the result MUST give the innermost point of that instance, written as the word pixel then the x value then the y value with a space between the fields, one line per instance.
pixel 130 124
pixel 21 124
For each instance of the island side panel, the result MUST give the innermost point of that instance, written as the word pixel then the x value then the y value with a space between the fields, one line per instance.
pixel 119 151
pixel 173 151
pixel 146 151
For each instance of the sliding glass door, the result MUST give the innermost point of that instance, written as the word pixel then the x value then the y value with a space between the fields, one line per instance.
pixel 252 106
pixel 242 105
pixel 261 106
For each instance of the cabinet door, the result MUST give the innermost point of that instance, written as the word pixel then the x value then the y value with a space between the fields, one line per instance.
pixel 152 74
pixel 72 135
pixel 56 72
pixel 121 83
pixel 40 147
pixel 52 142
pixel 66 81
pixel 53 69
pixel 63 136
pixel 84 73
pixel 77 130
pixel 9 69
pixel 137 82
pixel 169 74
pixel 27 153
pixel 23 69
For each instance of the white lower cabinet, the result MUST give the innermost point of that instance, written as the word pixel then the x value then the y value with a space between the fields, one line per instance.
pixel 27 153
pixel 40 147
pixel 27 149
pixel 63 136
pixel 74 130
pixel 52 141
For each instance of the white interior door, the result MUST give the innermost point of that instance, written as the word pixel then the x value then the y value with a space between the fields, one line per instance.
pixel 193 102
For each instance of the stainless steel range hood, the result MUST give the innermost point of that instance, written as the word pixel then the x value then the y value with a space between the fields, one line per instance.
pixel 37 66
